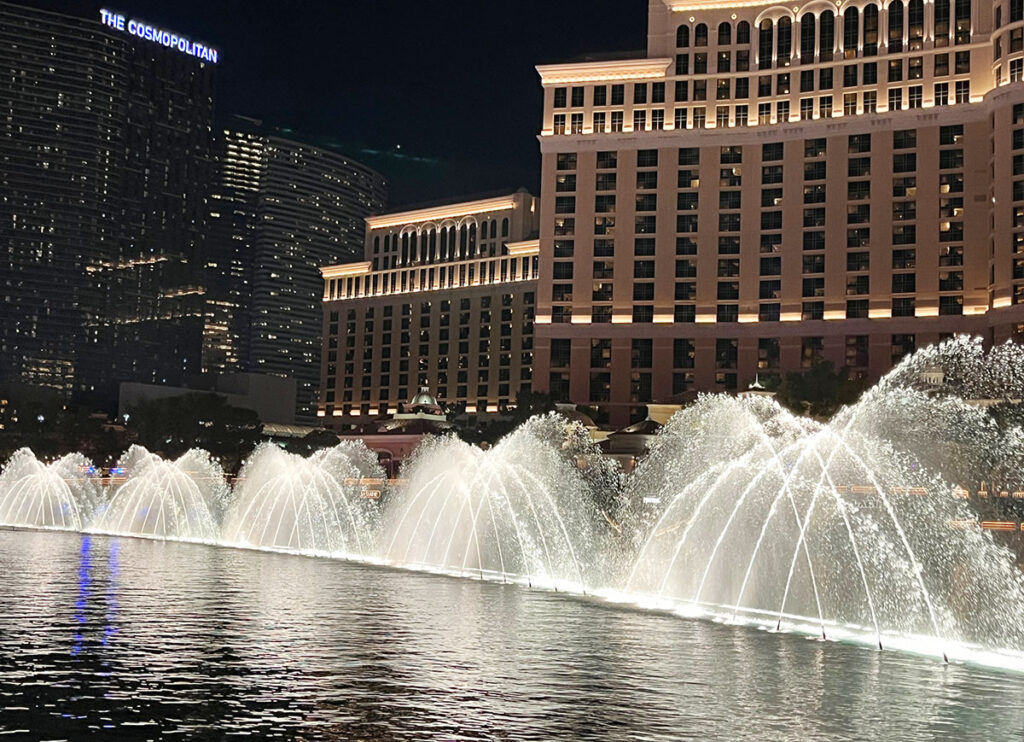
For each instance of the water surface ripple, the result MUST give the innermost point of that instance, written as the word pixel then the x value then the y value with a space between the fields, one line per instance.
pixel 134 639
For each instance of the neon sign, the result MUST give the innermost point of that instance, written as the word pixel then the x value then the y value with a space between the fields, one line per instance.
pixel 158 35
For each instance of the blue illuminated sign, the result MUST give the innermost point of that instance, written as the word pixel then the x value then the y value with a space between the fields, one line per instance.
pixel 164 38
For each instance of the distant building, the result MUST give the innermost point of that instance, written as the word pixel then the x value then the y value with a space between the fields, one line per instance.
pixel 774 185
pixel 280 211
pixel 104 166
pixel 443 298
pixel 395 436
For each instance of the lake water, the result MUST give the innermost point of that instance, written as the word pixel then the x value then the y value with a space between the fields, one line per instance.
pixel 152 640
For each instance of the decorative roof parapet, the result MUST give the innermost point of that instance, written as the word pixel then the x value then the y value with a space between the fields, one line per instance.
pixel 622 69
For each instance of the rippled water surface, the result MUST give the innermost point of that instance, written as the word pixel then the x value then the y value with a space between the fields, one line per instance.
pixel 146 639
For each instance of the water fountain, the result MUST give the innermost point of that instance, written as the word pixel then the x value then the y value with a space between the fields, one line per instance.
pixel 523 510
pixel 324 504
pixel 33 494
pixel 856 528
pixel 181 499
pixel 865 527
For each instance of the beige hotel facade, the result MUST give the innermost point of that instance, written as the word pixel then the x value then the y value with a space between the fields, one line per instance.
pixel 768 186
pixel 774 184
pixel 445 299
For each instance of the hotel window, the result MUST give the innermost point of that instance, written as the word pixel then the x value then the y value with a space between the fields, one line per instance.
pixel 560 98
pixel 721 116
pixel 559 123
pixel 682 64
pixel 639 120
pixel 699 117
pixel 870 101
pixel 769 289
pixel 741 116
pixel 700 63
pixel 576 124
pixel 850 104
pixel 700 89
pixel 1016 70
pixel 618 95
pixel 764 113
pixel 782 111
pixel 895 99
pixel 742 60
pixel 942 94
pixel 566 161
pixel 565 182
pixel 601 95
pixel 942 22
pixel 616 121
pixel 724 62
pixel 896 70
pixel 962 63
pixel 639 93
pixel 577 97
pixel 825 107
pixel 915 96
pixel 963 91
pixel 806 109
pixel 743 87
pixel 680 118
pixel 722 90
pixel 657 120
pixel 870 31
pixel 599 122
pixel 658 92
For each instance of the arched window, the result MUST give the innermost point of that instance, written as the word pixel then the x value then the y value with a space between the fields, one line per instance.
pixel 405 249
pixel 414 254
pixel 724 33
pixel 742 32
pixel 376 244
pixel 433 246
pixel 942 22
pixel 463 241
pixel 700 35
pixel 683 36
pixel 504 227
pixel 870 30
pixel 851 32
pixel 827 36
pixel 915 25
pixel 784 42
pixel 896 26
pixel 494 228
pixel 807 39
pixel 472 239
pixel 764 45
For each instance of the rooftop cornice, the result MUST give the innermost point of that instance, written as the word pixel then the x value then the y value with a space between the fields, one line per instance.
pixel 686 6
pixel 525 247
pixel 440 213
pixel 622 69
pixel 345 269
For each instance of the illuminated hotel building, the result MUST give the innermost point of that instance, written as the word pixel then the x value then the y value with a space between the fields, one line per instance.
pixel 773 185
pixel 104 167
pixel 280 211
pixel 62 128
pixel 444 299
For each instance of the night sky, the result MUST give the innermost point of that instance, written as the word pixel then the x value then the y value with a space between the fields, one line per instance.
pixel 452 84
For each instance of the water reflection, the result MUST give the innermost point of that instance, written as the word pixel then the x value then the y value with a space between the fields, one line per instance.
pixel 146 637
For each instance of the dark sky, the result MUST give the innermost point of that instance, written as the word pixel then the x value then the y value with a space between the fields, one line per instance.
pixel 452 83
